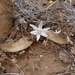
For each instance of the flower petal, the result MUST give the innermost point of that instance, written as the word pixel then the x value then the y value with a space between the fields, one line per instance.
pixel 38 36
pixel 40 25
pixel 34 32
pixel 45 29
pixel 44 34
pixel 33 26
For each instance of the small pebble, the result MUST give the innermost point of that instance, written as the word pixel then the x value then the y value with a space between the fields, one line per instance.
pixel 46 67
pixel 41 56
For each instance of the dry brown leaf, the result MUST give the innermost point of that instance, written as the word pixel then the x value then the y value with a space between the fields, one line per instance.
pixel 21 44
pixel 58 38
pixel 5 17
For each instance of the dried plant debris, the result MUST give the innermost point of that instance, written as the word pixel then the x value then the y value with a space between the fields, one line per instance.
pixel 70 11
pixel 65 56
pixel 5 18
pixel 58 38
pixel 31 10
pixel 19 45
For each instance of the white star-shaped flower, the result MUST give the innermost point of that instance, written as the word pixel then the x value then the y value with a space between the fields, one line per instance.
pixel 38 31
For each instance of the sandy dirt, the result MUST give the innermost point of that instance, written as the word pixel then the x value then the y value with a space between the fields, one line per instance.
pixel 39 60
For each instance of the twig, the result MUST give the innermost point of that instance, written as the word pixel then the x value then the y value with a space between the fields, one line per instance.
pixel 17 66
pixel 19 7
pixel 66 73
pixel 20 69
pixel 52 4
pixel 67 9
pixel 48 6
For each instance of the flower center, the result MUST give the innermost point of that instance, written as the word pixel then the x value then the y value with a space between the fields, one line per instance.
pixel 39 30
